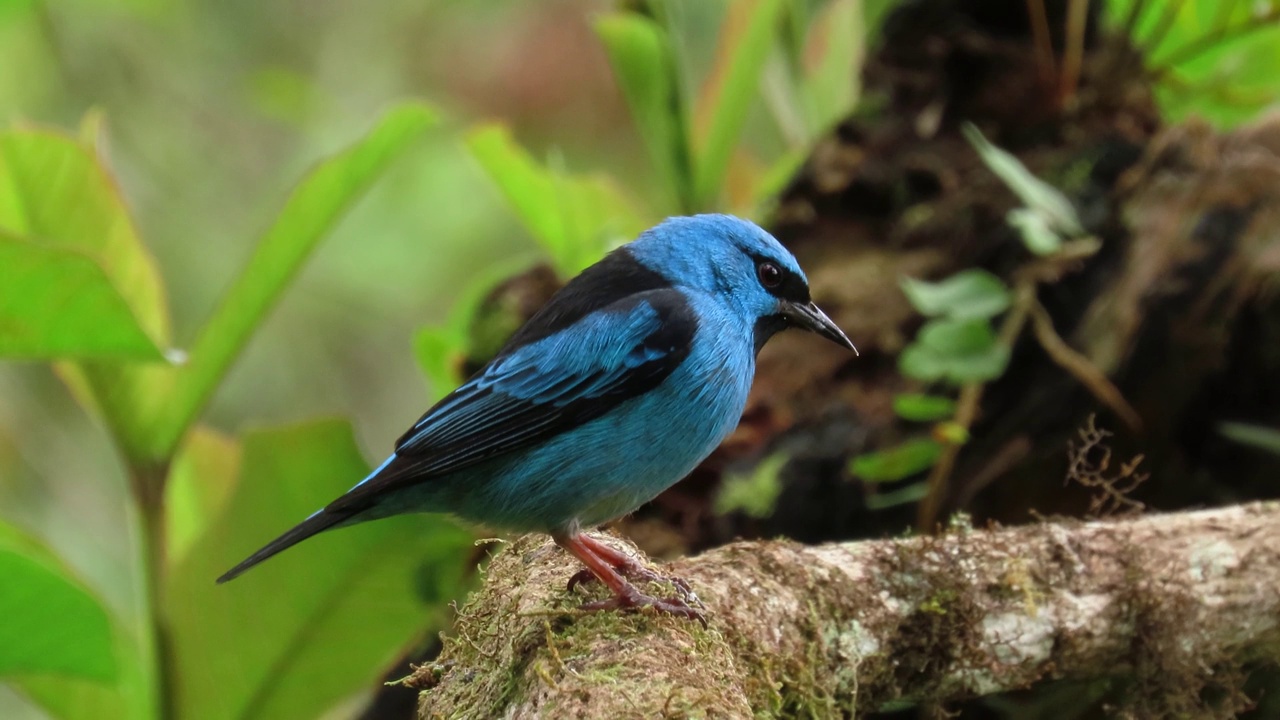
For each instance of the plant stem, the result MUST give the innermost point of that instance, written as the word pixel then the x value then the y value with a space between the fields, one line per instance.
pixel 148 492
pixel 967 407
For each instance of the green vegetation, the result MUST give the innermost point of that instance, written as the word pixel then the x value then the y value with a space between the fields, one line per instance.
pixel 157 404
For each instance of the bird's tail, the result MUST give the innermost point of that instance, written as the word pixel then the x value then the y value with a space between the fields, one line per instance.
pixel 318 522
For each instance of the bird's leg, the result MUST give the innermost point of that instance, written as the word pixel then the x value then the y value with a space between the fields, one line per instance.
pixel 625 595
pixel 628 567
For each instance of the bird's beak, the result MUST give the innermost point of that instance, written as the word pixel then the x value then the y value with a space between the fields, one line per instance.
pixel 809 317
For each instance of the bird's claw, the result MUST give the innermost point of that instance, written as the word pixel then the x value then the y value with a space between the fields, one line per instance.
pixel 636 601
pixel 638 572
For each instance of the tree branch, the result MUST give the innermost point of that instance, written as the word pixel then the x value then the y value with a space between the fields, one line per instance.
pixel 1162 600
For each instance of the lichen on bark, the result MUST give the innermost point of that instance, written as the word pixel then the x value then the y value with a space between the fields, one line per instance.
pixel 1166 604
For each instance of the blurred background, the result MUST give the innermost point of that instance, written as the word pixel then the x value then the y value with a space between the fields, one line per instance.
pixel 207 114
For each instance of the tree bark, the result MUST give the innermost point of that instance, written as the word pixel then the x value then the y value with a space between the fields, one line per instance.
pixel 1170 602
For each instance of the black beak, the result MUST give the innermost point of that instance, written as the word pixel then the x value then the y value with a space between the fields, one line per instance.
pixel 809 317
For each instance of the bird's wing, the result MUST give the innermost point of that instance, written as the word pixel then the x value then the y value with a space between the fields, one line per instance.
pixel 540 390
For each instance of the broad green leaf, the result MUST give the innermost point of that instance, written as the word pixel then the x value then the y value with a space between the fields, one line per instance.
pixel 967 294
pixel 833 63
pixel 897 462
pixel 755 493
pixel 59 303
pixel 55 192
pixel 644 65
pixel 201 481
pixel 1036 194
pixel 77 696
pixel 745 42
pixel 310 213
pixel 923 408
pixel 575 218
pixel 959 351
pixel 320 622
pixel 51 625
pixel 1258 436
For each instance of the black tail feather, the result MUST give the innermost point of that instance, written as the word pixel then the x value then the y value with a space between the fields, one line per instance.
pixel 317 523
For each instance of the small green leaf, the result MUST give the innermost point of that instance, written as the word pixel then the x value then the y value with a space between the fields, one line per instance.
pixel 898 462
pixel 967 294
pixel 914 492
pixel 951 433
pixel 1258 436
pixel 921 363
pixel 923 408
pixel 745 42
pixel 1035 231
pixel 59 303
pixel 51 624
pixel 310 213
pixel 754 493
pixel 644 64
pixel 1036 194
pixel 957 337
pixel 960 351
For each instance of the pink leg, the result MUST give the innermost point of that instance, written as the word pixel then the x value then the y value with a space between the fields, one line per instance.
pixel 627 566
pixel 625 595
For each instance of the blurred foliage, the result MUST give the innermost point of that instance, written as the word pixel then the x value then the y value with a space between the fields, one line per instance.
pixel 1213 58
pixel 146 252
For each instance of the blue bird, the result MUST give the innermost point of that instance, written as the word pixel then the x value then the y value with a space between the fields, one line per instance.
pixel 617 388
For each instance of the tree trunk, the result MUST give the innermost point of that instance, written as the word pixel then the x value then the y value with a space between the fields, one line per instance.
pixel 1172 603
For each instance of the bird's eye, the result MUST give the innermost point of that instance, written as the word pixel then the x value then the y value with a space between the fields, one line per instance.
pixel 770 274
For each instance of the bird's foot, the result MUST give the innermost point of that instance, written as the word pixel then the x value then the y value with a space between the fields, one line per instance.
pixel 635 601
pixel 634 571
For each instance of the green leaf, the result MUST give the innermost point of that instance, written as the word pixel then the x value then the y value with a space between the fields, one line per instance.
pixel 745 42
pixel 59 303
pixel 52 625
pixel 1258 436
pixel 1034 230
pixel 914 492
pixel 311 212
pixel 54 192
pixel 957 338
pixel 959 351
pixel 78 696
pixel 754 493
pixel 923 408
pixel 575 218
pixel 644 64
pixel 897 462
pixel 1214 59
pixel 320 622
pixel 1038 195
pixel 834 63
pixel 439 351
pixel 201 481
pixel 967 294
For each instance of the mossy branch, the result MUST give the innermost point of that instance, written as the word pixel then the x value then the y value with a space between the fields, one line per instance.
pixel 1163 601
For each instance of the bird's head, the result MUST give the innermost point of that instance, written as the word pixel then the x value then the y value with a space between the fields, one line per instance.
pixel 737 261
